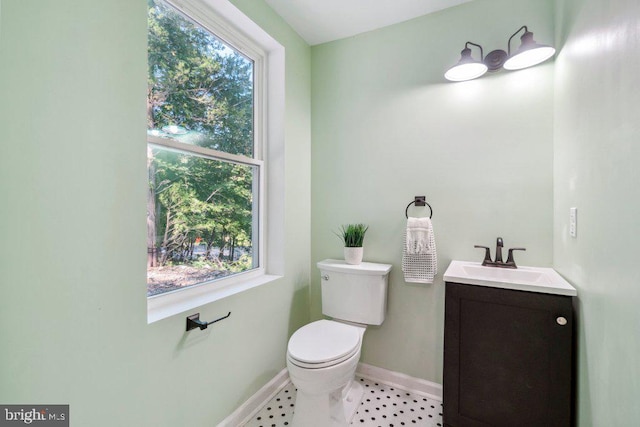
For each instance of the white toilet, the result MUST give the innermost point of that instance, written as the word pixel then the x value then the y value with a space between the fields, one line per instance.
pixel 322 356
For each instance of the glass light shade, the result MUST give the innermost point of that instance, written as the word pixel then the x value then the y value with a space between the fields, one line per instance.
pixel 468 71
pixel 529 57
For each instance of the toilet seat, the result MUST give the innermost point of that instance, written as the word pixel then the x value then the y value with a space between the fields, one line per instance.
pixel 323 343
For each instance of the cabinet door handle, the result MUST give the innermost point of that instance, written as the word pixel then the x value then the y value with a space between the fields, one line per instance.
pixel 561 321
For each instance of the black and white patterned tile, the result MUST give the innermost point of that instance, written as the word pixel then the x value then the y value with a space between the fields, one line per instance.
pixel 387 406
pixel 278 411
pixel 381 406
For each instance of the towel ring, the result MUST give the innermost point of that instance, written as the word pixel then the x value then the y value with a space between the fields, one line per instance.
pixel 419 201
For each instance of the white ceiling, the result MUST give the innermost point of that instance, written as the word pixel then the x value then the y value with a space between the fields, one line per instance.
pixel 320 21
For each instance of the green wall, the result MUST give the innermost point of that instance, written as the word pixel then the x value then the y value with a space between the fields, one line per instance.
pixel 73 321
pixel 596 155
pixel 387 126
pixel 504 155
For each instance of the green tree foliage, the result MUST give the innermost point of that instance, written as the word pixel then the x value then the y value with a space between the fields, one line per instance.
pixel 197 83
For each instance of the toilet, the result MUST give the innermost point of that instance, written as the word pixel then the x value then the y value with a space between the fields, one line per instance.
pixel 322 356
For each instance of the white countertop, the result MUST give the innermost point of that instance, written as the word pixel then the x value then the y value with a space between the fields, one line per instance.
pixel 523 278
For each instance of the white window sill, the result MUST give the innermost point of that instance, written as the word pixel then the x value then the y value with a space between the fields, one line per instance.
pixel 162 306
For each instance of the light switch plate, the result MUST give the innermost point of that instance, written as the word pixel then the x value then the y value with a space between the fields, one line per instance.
pixel 573 222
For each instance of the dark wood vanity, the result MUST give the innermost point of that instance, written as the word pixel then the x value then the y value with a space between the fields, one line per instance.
pixel 508 357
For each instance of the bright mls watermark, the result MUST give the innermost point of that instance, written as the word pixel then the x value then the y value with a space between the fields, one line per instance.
pixel 36 415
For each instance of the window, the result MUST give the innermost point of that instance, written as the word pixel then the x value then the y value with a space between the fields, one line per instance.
pixel 205 204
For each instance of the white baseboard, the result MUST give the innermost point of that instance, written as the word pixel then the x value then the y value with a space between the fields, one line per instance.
pixel 412 384
pixel 248 409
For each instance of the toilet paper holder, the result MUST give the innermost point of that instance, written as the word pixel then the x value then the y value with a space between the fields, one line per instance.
pixel 194 321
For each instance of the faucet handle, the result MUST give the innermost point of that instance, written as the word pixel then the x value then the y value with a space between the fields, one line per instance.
pixel 510 257
pixel 487 253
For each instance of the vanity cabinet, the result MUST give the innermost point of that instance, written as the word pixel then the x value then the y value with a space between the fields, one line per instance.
pixel 507 358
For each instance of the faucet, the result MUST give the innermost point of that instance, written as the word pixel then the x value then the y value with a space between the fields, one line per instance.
pixel 510 263
pixel 499 245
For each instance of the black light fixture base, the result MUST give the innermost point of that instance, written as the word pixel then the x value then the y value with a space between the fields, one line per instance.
pixel 495 59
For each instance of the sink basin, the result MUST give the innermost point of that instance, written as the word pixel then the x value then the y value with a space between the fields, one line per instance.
pixel 531 279
pixel 520 275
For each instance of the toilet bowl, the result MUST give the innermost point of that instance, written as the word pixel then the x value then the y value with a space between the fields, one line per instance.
pixel 322 356
pixel 321 359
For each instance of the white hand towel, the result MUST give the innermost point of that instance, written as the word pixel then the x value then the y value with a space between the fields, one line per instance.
pixel 419 267
pixel 418 235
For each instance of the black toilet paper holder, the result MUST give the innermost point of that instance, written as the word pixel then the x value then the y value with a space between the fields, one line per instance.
pixel 194 321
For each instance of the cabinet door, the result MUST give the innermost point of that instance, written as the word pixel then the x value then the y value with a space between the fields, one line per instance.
pixel 507 358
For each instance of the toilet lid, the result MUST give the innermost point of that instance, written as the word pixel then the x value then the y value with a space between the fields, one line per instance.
pixel 324 341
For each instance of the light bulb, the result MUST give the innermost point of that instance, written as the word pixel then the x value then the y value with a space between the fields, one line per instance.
pixel 463 72
pixel 529 57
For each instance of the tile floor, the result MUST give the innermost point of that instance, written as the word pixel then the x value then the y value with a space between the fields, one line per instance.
pixel 382 405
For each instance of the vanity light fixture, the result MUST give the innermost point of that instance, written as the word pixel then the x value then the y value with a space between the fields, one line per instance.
pixel 529 53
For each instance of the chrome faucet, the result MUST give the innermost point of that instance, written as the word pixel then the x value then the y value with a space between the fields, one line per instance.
pixel 510 263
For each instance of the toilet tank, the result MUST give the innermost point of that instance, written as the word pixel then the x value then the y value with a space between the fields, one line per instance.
pixel 355 293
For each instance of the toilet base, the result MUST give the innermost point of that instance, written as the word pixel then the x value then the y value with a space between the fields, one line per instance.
pixel 352 397
pixel 323 410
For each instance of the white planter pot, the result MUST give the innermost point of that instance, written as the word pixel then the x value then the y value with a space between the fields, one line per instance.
pixel 353 255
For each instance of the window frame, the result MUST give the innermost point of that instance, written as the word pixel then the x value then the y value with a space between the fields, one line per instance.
pixel 224 21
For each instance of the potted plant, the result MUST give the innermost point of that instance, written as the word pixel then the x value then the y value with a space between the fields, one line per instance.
pixel 353 235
